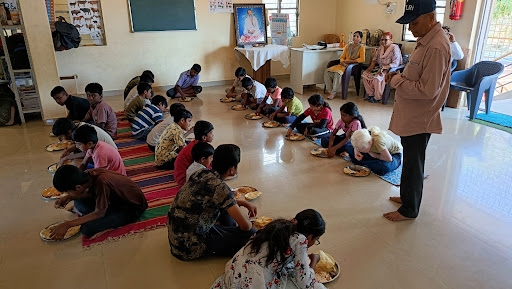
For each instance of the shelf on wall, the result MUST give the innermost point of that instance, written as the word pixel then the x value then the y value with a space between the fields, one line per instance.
pixel 22 70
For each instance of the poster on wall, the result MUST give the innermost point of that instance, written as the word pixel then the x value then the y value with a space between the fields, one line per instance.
pixel 221 6
pixel 280 29
pixel 85 15
pixel 50 10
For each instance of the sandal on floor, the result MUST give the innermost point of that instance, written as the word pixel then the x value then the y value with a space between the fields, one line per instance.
pixel 331 97
pixel 373 100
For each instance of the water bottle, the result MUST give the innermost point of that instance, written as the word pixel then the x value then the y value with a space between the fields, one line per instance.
pixel 350 35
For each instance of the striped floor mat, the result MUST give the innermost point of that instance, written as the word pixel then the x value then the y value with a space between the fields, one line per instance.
pixel 158 185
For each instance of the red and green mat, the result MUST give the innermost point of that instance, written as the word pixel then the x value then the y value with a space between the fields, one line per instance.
pixel 158 186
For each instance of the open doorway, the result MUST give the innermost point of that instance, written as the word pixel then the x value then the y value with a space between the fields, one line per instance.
pixel 495 44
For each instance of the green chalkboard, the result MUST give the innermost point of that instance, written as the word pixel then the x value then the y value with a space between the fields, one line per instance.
pixel 162 15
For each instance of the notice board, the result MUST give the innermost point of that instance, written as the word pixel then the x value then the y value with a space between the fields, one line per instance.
pixel 162 15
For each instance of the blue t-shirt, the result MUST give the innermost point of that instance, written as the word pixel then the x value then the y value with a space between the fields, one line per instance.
pixel 187 80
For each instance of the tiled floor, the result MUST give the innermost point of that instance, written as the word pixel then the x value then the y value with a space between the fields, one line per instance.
pixel 462 238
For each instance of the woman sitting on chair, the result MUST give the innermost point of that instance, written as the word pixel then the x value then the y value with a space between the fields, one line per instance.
pixel 352 53
pixel 387 56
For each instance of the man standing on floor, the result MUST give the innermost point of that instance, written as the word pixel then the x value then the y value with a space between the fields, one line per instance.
pixel 420 93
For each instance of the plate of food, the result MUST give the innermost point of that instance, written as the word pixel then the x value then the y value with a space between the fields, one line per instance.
pixel 240 192
pixel 253 116
pixel 260 222
pixel 45 233
pixel 295 136
pixel 252 195
pixel 271 124
pixel 357 171
pixel 238 107
pixel 50 194
pixel 319 152
pixel 53 167
pixel 227 99
pixel 58 146
pixel 186 99
pixel 327 269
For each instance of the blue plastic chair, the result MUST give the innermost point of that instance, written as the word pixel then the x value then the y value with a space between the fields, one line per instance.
pixel 475 81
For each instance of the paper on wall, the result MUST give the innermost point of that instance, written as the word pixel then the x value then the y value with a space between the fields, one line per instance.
pixel 221 6
pixel 85 15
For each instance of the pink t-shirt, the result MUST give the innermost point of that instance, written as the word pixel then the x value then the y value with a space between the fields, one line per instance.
pixel 325 113
pixel 276 96
pixel 354 125
pixel 102 112
pixel 105 156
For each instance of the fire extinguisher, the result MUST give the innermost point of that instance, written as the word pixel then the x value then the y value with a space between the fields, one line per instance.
pixel 456 9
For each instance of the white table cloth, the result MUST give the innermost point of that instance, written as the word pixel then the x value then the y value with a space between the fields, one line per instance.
pixel 257 56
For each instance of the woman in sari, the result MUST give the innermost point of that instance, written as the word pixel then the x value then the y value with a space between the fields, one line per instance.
pixel 387 56
pixel 352 53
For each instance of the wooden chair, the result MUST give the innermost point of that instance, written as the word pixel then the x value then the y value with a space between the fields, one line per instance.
pixel 354 70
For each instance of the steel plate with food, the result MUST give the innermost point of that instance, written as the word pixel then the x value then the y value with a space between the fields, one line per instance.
pixel 271 124
pixel 240 192
pixel 357 171
pixel 50 194
pixel 45 233
pixel 319 152
pixel 253 116
pixel 238 107
pixel 186 99
pixel 58 146
pixel 260 222
pixel 227 99
pixel 53 167
pixel 295 137
pixel 327 269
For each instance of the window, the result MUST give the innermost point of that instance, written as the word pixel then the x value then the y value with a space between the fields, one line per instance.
pixel 290 7
pixel 440 10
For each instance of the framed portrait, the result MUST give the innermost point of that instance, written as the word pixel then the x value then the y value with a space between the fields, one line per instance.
pixel 250 24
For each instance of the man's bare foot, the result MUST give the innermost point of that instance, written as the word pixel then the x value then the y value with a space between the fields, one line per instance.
pixel 330 96
pixel 395 199
pixel 396 217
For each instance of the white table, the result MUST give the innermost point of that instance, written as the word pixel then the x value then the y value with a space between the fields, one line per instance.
pixel 308 66
pixel 260 57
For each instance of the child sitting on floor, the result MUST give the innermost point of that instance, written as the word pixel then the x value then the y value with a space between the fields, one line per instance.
pixel 103 199
pixel 254 93
pixel 205 218
pixel 350 121
pixel 203 132
pixel 274 93
pixel 375 149
pixel 63 129
pixel 134 94
pixel 148 117
pixel 156 132
pixel 138 103
pixel 77 107
pixel 320 113
pixel 237 89
pixel 147 76
pixel 186 86
pixel 202 153
pixel 100 113
pixel 289 111
pixel 276 255
pixel 172 140
pixel 102 155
